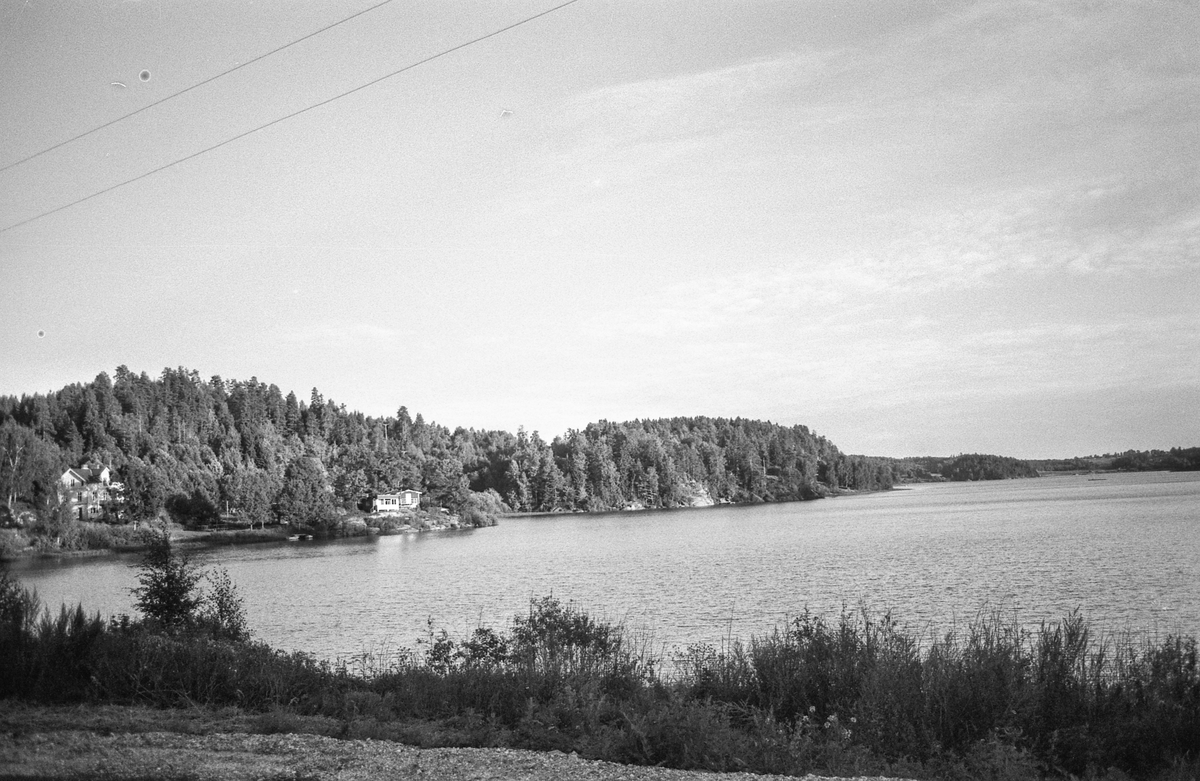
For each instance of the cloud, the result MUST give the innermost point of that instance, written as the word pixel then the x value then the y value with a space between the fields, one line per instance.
pixel 689 102
pixel 868 335
pixel 1004 137
pixel 1043 229
pixel 600 143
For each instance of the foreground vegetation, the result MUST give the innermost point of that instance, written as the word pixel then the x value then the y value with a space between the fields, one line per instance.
pixel 850 696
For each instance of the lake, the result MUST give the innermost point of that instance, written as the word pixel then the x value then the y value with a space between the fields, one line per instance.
pixel 1122 548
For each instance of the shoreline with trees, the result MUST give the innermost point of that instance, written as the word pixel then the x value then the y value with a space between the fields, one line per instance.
pixel 202 452
pixel 214 454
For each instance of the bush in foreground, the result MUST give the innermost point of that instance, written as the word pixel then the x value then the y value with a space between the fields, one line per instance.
pixel 855 696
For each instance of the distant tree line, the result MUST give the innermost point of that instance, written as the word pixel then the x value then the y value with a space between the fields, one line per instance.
pixel 972 466
pixel 194 446
pixel 1076 464
pixel 1176 459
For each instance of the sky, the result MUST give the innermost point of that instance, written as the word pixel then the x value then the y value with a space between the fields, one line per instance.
pixel 918 228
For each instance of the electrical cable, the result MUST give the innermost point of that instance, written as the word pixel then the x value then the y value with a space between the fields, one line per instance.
pixel 327 101
pixel 209 80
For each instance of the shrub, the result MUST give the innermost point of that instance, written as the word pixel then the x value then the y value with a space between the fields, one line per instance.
pixel 853 697
pixel 18 612
pixel 681 733
pixel 167 595
pixel 62 658
pixel 194 509
pixel 482 508
pixel 43 656
pixel 185 669
pixel 976 683
pixel 222 610
pixel 12 543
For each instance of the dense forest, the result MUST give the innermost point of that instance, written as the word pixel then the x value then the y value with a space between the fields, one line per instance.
pixel 194 446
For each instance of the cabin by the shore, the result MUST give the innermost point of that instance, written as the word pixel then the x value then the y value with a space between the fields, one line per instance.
pixel 86 490
pixel 394 503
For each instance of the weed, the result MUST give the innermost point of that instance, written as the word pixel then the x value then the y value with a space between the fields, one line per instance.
pixel 852 696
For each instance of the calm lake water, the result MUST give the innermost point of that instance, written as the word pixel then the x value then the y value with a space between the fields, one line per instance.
pixel 1124 549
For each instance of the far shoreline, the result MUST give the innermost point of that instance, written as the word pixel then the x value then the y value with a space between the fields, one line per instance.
pixel 197 540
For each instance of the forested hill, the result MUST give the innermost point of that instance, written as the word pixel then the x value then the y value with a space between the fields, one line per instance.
pixel 195 445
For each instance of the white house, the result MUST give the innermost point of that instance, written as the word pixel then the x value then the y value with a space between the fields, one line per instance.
pixel 394 503
pixel 87 489
pixel 88 473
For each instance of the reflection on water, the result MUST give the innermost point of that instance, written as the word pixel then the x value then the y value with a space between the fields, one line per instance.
pixel 1124 550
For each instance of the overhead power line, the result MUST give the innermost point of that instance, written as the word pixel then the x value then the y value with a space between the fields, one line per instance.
pixel 304 110
pixel 209 80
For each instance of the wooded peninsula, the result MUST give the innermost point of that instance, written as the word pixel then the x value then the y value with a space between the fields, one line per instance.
pixel 200 452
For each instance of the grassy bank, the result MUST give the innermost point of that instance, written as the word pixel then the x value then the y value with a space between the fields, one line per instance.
pixel 71 538
pixel 66 538
pixel 848 695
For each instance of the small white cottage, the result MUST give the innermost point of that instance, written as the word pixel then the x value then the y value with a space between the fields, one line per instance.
pixel 394 503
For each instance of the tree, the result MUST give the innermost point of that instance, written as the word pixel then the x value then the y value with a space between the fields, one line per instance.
pixel 144 493
pixel 518 493
pixel 647 488
pixel 445 484
pixel 577 473
pixel 193 509
pixel 304 499
pixel 29 467
pixel 14 446
pixel 251 491
pixel 549 486
pixel 403 428
pixel 291 414
pixel 167 595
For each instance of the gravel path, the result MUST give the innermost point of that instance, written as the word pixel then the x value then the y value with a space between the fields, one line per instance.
pixel 75 743
pixel 169 756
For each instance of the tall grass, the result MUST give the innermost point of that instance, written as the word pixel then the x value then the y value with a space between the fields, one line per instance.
pixel 853 695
